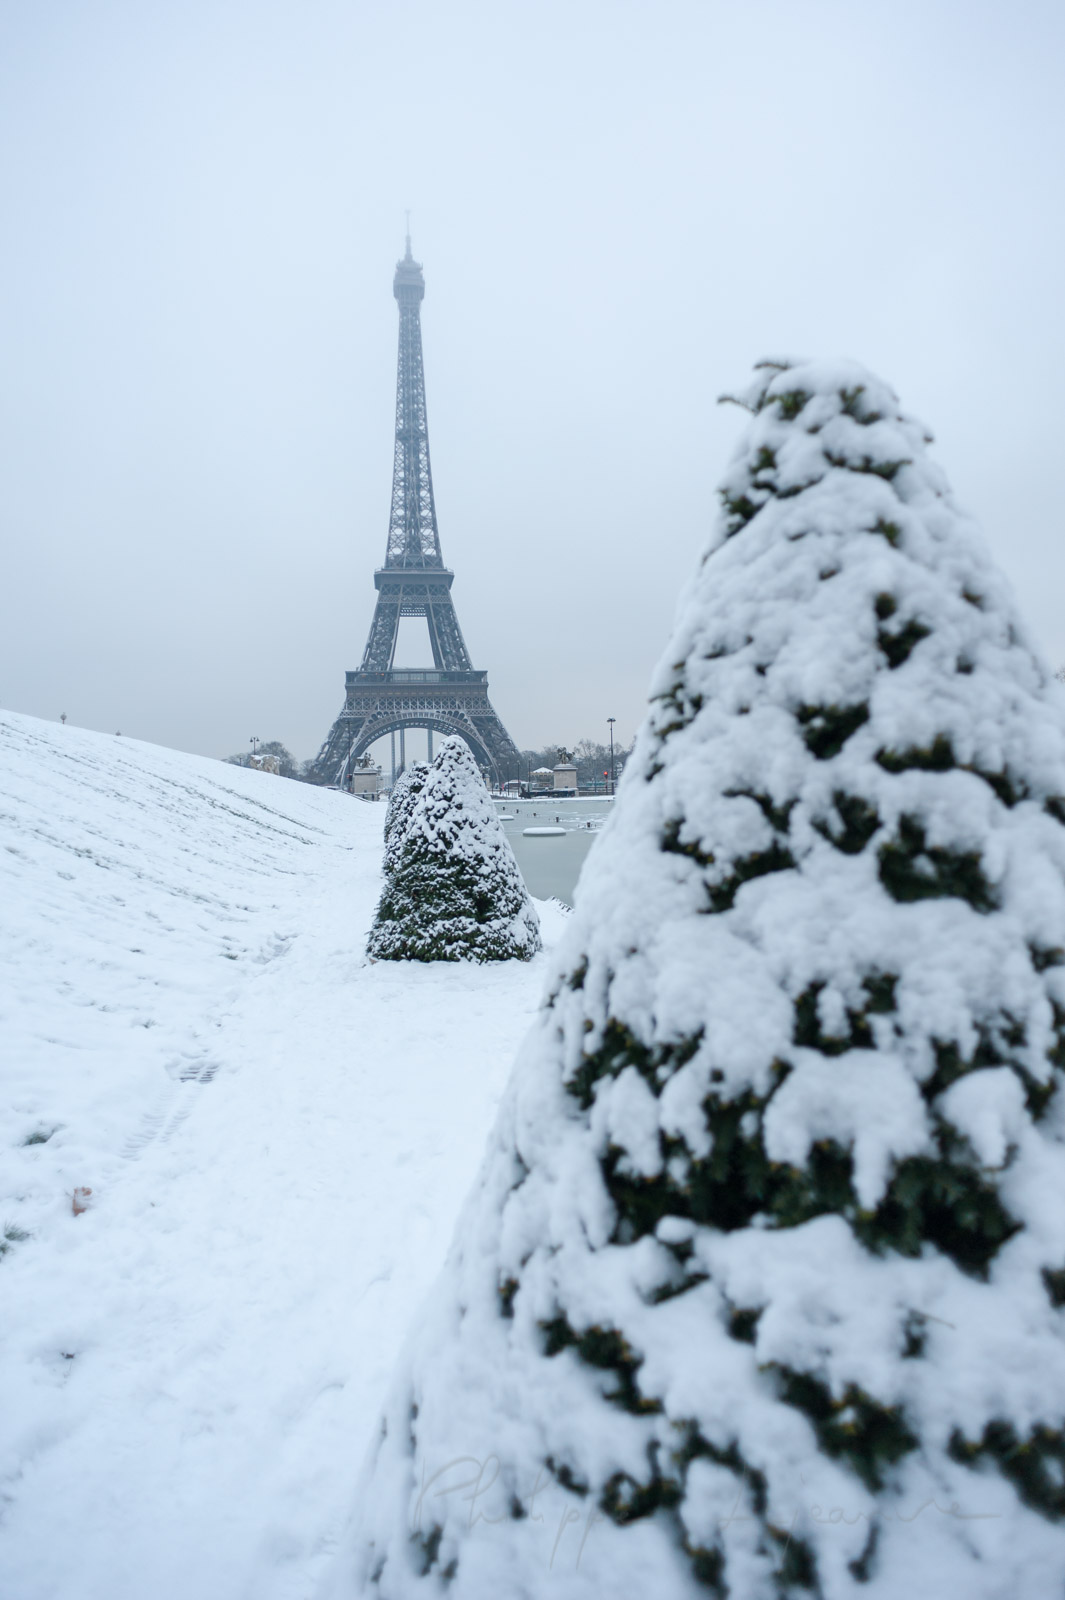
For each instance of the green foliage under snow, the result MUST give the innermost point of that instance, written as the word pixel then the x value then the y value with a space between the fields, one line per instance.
pixel 453 890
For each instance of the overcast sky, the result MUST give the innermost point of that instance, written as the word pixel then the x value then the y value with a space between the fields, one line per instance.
pixel 619 208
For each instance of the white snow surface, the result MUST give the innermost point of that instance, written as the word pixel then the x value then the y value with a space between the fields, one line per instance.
pixel 277 1136
pixel 468 1493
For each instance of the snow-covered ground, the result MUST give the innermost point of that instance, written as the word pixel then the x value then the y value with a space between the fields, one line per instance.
pixel 277 1136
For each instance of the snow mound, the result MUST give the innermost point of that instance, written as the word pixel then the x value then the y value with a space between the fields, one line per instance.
pixel 277 1135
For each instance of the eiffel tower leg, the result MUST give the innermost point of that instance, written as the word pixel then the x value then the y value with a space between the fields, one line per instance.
pixel 402 749
pixel 429 737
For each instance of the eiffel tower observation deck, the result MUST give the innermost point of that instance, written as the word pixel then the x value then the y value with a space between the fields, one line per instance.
pixel 451 696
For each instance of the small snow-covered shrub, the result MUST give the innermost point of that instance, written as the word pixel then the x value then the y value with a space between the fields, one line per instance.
pixel 761 1290
pixel 453 890
pixel 38 1136
pixel 11 1235
pixel 401 803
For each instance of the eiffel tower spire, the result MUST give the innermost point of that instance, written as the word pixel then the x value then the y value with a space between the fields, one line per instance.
pixel 413 582
pixel 413 538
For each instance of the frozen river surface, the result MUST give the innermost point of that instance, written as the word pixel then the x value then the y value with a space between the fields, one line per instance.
pixel 551 864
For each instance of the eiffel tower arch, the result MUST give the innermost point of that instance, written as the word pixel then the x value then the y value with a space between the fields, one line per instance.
pixel 451 696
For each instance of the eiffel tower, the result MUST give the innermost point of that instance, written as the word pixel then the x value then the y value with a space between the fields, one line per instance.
pixel 450 697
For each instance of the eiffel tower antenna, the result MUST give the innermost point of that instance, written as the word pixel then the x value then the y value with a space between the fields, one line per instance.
pixel 381 698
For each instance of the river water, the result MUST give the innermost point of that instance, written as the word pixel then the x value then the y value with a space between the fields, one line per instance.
pixel 551 865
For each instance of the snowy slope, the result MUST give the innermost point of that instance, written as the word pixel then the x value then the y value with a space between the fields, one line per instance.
pixel 277 1135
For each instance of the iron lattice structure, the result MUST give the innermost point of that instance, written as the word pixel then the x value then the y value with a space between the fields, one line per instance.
pixel 450 697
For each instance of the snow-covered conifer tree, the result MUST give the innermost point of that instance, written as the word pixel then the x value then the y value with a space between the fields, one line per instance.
pixel 401 802
pixel 761 1291
pixel 453 890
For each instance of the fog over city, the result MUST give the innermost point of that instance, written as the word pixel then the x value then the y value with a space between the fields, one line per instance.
pixel 619 208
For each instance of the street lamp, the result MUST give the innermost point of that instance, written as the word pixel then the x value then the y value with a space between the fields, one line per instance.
pixel 611 721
